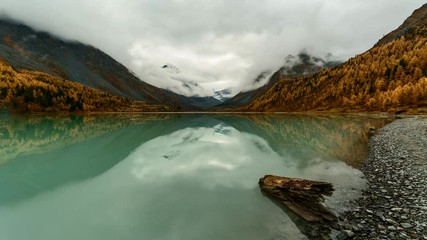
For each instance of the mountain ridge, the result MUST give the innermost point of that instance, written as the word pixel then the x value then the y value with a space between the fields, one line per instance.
pixel 32 91
pixel 295 66
pixel 408 27
pixel 199 102
pixel 24 48
pixel 390 77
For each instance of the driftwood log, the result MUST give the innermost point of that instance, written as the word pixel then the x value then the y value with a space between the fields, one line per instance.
pixel 301 196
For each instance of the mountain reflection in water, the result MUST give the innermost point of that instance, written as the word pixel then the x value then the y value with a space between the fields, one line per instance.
pixel 168 176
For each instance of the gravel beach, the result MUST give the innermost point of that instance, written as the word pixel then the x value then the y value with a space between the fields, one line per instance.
pixel 394 206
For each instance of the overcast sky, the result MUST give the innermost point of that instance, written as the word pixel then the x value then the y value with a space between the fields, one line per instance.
pixel 216 43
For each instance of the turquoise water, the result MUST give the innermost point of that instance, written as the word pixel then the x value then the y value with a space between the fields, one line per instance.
pixel 168 176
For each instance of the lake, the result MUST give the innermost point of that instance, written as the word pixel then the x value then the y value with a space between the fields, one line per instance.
pixel 171 176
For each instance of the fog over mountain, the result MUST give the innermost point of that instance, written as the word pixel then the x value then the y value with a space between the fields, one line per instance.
pixel 218 44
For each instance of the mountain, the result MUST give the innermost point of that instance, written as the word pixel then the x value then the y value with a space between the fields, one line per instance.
pixel 203 103
pixel 196 102
pixel 305 64
pixel 392 76
pixel 408 27
pixel 175 74
pixel 171 68
pixel 24 48
pixel 244 98
pixel 32 91
pixel 295 66
pixel 223 95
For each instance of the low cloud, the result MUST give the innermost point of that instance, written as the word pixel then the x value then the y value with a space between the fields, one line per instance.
pixel 217 44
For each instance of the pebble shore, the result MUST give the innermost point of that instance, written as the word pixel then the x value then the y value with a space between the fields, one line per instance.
pixel 394 206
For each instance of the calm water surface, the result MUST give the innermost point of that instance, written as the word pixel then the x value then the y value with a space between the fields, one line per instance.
pixel 168 177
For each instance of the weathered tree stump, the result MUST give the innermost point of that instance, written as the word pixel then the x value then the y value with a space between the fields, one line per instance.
pixel 301 196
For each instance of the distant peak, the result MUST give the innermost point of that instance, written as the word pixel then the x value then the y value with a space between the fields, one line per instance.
pixel 223 94
pixel 304 63
pixel 263 77
pixel 171 68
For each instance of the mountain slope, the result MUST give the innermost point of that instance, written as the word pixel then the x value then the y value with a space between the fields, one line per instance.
pixel 32 91
pixel 243 98
pixel 196 102
pixel 408 27
pixel 223 95
pixel 295 66
pixel 389 77
pixel 23 48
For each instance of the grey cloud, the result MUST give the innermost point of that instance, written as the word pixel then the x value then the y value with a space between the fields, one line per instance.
pixel 216 43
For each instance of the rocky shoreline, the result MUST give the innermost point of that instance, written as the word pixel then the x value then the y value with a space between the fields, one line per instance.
pixel 394 205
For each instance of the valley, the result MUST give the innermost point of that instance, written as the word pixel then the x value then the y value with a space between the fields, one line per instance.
pixel 171 141
pixel 390 77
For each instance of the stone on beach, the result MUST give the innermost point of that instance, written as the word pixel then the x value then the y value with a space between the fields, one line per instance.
pixel 396 170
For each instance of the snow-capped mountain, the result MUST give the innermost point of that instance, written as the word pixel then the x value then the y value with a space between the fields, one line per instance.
pixel 189 87
pixel 304 64
pixel 171 68
pixel 223 95
pixel 175 74
pixel 294 66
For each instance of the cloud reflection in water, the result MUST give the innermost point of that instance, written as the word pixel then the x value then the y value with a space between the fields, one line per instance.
pixel 196 181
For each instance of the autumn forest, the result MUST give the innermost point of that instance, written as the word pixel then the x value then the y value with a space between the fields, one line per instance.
pixel 389 77
pixel 31 91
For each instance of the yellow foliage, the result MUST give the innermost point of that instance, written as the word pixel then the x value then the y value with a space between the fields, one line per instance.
pixel 31 91
pixel 382 79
